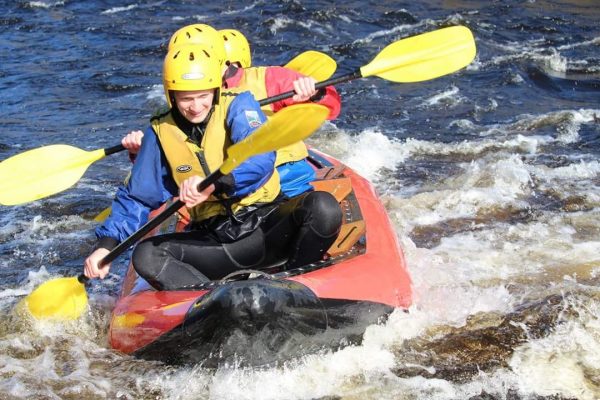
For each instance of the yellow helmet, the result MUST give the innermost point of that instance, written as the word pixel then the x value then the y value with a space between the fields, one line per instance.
pixel 237 48
pixel 199 34
pixel 191 67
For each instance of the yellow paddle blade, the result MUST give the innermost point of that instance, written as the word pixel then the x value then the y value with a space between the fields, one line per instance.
pixel 59 299
pixel 313 63
pixel 41 172
pixel 422 57
pixel 103 215
pixel 290 125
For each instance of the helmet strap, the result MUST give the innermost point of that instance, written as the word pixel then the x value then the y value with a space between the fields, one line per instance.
pixel 172 99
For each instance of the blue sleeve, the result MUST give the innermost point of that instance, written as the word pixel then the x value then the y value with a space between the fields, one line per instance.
pixel 149 186
pixel 243 117
pixel 295 177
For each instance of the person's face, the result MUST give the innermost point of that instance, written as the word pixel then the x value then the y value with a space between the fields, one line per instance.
pixel 194 105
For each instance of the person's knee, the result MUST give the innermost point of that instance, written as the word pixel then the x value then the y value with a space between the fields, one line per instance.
pixel 326 213
pixel 144 260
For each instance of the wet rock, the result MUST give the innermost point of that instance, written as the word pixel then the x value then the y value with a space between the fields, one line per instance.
pixel 429 236
pixel 512 395
pixel 463 352
pixel 576 203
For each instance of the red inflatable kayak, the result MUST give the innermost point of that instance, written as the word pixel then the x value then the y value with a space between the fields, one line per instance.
pixel 259 317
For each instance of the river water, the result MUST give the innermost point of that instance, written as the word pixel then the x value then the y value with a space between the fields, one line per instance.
pixel 490 176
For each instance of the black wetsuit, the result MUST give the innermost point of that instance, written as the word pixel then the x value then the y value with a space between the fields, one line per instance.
pixel 296 231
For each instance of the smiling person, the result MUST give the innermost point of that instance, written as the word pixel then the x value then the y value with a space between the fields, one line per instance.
pixel 238 223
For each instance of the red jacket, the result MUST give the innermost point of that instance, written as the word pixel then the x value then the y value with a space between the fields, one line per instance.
pixel 279 80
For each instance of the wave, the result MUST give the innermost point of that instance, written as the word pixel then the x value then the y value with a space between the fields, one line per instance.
pixel 43 4
pixel 115 10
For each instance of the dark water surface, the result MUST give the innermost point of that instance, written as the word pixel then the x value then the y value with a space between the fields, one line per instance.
pixel 490 175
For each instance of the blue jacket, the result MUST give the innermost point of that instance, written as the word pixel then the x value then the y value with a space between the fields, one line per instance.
pixel 295 177
pixel 151 183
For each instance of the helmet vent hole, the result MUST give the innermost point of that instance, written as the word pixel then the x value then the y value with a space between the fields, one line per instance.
pixel 192 56
pixel 207 54
pixel 188 35
pixel 199 30
pixel 176 55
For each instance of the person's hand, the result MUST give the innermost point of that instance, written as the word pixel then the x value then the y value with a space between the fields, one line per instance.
pixel 91 266
pixel 189 194
pixel 304 88
pixel 133 141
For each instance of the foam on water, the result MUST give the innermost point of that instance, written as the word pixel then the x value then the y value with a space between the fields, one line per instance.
pixel 448 97
pixel 565 122
pixel 39 229
pixel 566 361
pixel 585 43
pixel 367 153
pixel 313 376
pixel 241 10
pixel 372 149
pixel 387 32
pixel 450 279
pixel 157 92
pixel 43 4
pixel 504 252
pixel 281 23
pixel 506 209
pixel 550 59
pixel 34 279
pixel 115 10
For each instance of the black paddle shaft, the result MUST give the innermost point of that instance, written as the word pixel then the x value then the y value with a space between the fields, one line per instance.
pixel 269 100
pixel 333 81
pixel 151 224
pixel 156 221
pixel 114 149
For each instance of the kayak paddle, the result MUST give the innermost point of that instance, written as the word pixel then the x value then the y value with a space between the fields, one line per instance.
pixel 65 298
pixel 414 59
pixel 44 171
pixel 313 63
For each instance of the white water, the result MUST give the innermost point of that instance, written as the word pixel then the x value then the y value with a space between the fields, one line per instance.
pixel 485 262
pixel 465 274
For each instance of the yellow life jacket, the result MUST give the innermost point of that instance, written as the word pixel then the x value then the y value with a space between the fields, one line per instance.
pixel 253 79
pixel 183 157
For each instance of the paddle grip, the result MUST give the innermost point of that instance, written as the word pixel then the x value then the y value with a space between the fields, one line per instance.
pixel 156 221
pixel 83 279
pixel 113 150
pixel 332 81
